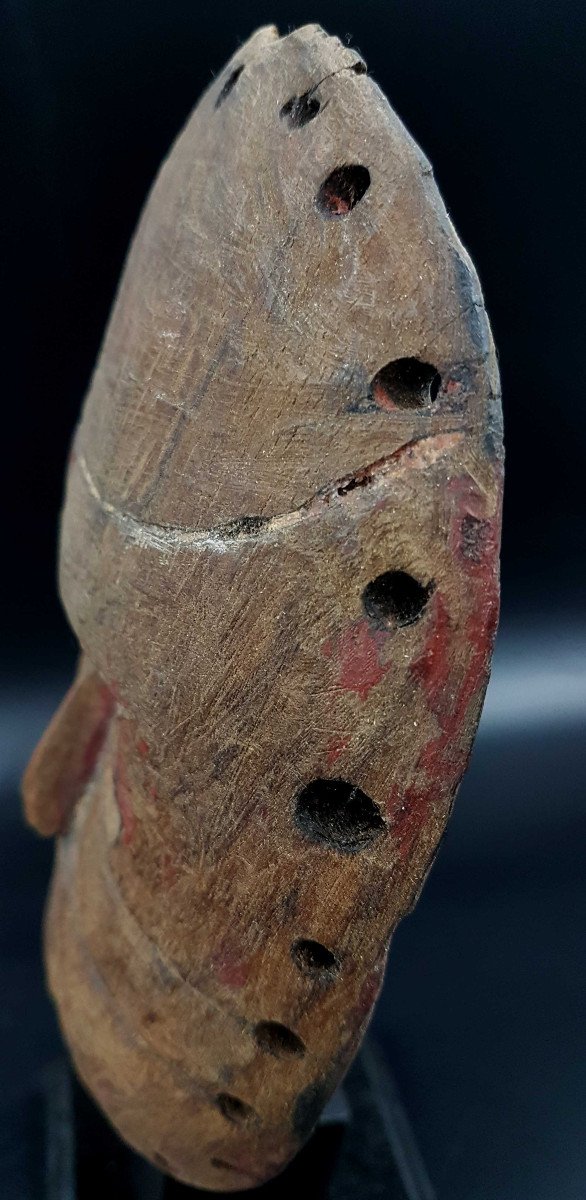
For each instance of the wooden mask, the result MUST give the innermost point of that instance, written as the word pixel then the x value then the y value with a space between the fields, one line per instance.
pixel 279 553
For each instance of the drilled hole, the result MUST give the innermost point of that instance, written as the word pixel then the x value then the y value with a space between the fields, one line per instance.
pixel 314 960
pixel 233 1109
pixel 229 84
pixel 342 190
pixel 300 109
pixel 338 815
pixel 395 598
pixel 222 1165
pixel 359 67
pixel 405 383
pixel 278 1040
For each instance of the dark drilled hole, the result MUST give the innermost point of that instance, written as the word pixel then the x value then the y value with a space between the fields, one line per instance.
pixel 233 78
pixel 338 814
pixel 161 1162
pixel 222 1165
pixel 233 1109
pixel 314 959
pixel 342 190
pixel 395 598
pixel 405 383
pixel 300 109
pixel 278 1040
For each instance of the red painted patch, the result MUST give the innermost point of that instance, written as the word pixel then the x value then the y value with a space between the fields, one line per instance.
pixel 432 668
pixel 229 969
pixel 408 813
pixel 442 757
pixel 382 399
pixel 452 681
pixel 356 651
pixel 142 747
pixel 474 538
pixel 335 748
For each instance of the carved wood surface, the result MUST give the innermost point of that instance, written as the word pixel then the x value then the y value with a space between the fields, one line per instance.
pixel 279 553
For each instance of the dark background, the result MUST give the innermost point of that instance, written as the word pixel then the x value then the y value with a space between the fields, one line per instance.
pixel 481 1013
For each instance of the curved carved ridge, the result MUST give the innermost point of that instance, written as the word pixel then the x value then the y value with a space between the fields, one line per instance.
pixel 418 454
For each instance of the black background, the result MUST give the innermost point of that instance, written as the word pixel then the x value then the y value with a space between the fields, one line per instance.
pixel 481 1011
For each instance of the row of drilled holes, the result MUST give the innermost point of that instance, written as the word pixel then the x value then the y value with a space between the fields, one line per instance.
pixel 332 811
pixel 341 816
pixel 319 964
pixel 404 382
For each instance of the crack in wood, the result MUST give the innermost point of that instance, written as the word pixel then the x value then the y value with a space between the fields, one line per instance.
pixel 416 454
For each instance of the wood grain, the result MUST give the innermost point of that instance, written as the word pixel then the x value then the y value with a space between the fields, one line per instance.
pixel 279 552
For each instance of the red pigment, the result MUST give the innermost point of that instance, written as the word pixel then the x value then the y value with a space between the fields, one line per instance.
pixel 382 399
pixel 356 652
pixel 335 203
pixel 478 634
pixel 229 969
pixel 474 543
pixel 408 814
pixel 432 668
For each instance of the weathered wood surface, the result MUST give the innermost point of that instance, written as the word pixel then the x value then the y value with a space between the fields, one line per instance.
pixel 279 554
